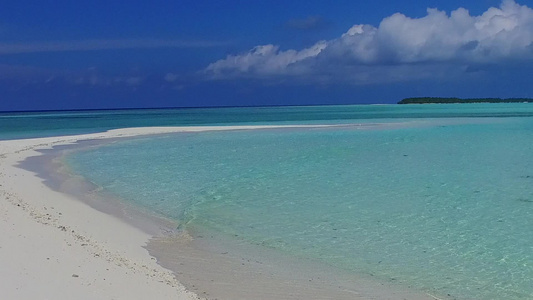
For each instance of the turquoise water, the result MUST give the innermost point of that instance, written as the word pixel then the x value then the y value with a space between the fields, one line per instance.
pixel 55 123
pixel 442 204
pixel 441 199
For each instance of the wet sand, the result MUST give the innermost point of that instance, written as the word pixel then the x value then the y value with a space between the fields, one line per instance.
pixel 52 245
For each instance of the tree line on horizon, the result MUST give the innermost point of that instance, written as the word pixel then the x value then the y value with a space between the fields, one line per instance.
pixel 428 100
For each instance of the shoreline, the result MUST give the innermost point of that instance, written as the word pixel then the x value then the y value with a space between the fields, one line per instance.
pixel 53 246
pixel 47 232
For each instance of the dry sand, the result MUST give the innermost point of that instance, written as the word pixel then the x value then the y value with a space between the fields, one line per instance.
pixel 53 246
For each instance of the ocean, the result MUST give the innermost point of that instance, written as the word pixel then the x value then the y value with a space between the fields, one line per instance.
pixel 438 198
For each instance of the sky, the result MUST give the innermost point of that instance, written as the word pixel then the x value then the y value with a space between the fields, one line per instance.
pixel 196 53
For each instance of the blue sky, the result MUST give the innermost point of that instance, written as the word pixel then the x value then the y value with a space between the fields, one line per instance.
pixel 132 54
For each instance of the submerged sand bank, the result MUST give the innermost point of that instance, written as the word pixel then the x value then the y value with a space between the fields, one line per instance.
pixel 54 247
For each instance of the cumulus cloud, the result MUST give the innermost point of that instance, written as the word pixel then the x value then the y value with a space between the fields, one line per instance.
pixel 400 46
pixel 266 60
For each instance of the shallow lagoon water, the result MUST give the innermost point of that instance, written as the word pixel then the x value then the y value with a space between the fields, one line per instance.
pixel 444 205
pixel 14 125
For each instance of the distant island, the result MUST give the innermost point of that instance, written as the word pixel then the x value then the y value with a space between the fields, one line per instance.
pixel 430 100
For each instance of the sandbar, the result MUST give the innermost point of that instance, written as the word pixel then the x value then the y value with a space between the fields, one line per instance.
pixel 54 246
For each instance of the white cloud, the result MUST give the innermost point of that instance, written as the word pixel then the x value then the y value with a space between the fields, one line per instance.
pixel 400 47
pixel 265 60
pixel 94 45
pixel 93 78
pixel 170 77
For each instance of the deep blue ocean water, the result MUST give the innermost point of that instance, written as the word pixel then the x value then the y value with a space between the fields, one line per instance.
pixel 440 200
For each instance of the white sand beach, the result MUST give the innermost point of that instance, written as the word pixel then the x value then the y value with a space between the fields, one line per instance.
pixel 53 246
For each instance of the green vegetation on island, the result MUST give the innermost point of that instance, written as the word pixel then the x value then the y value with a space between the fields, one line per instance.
pixel 430 100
